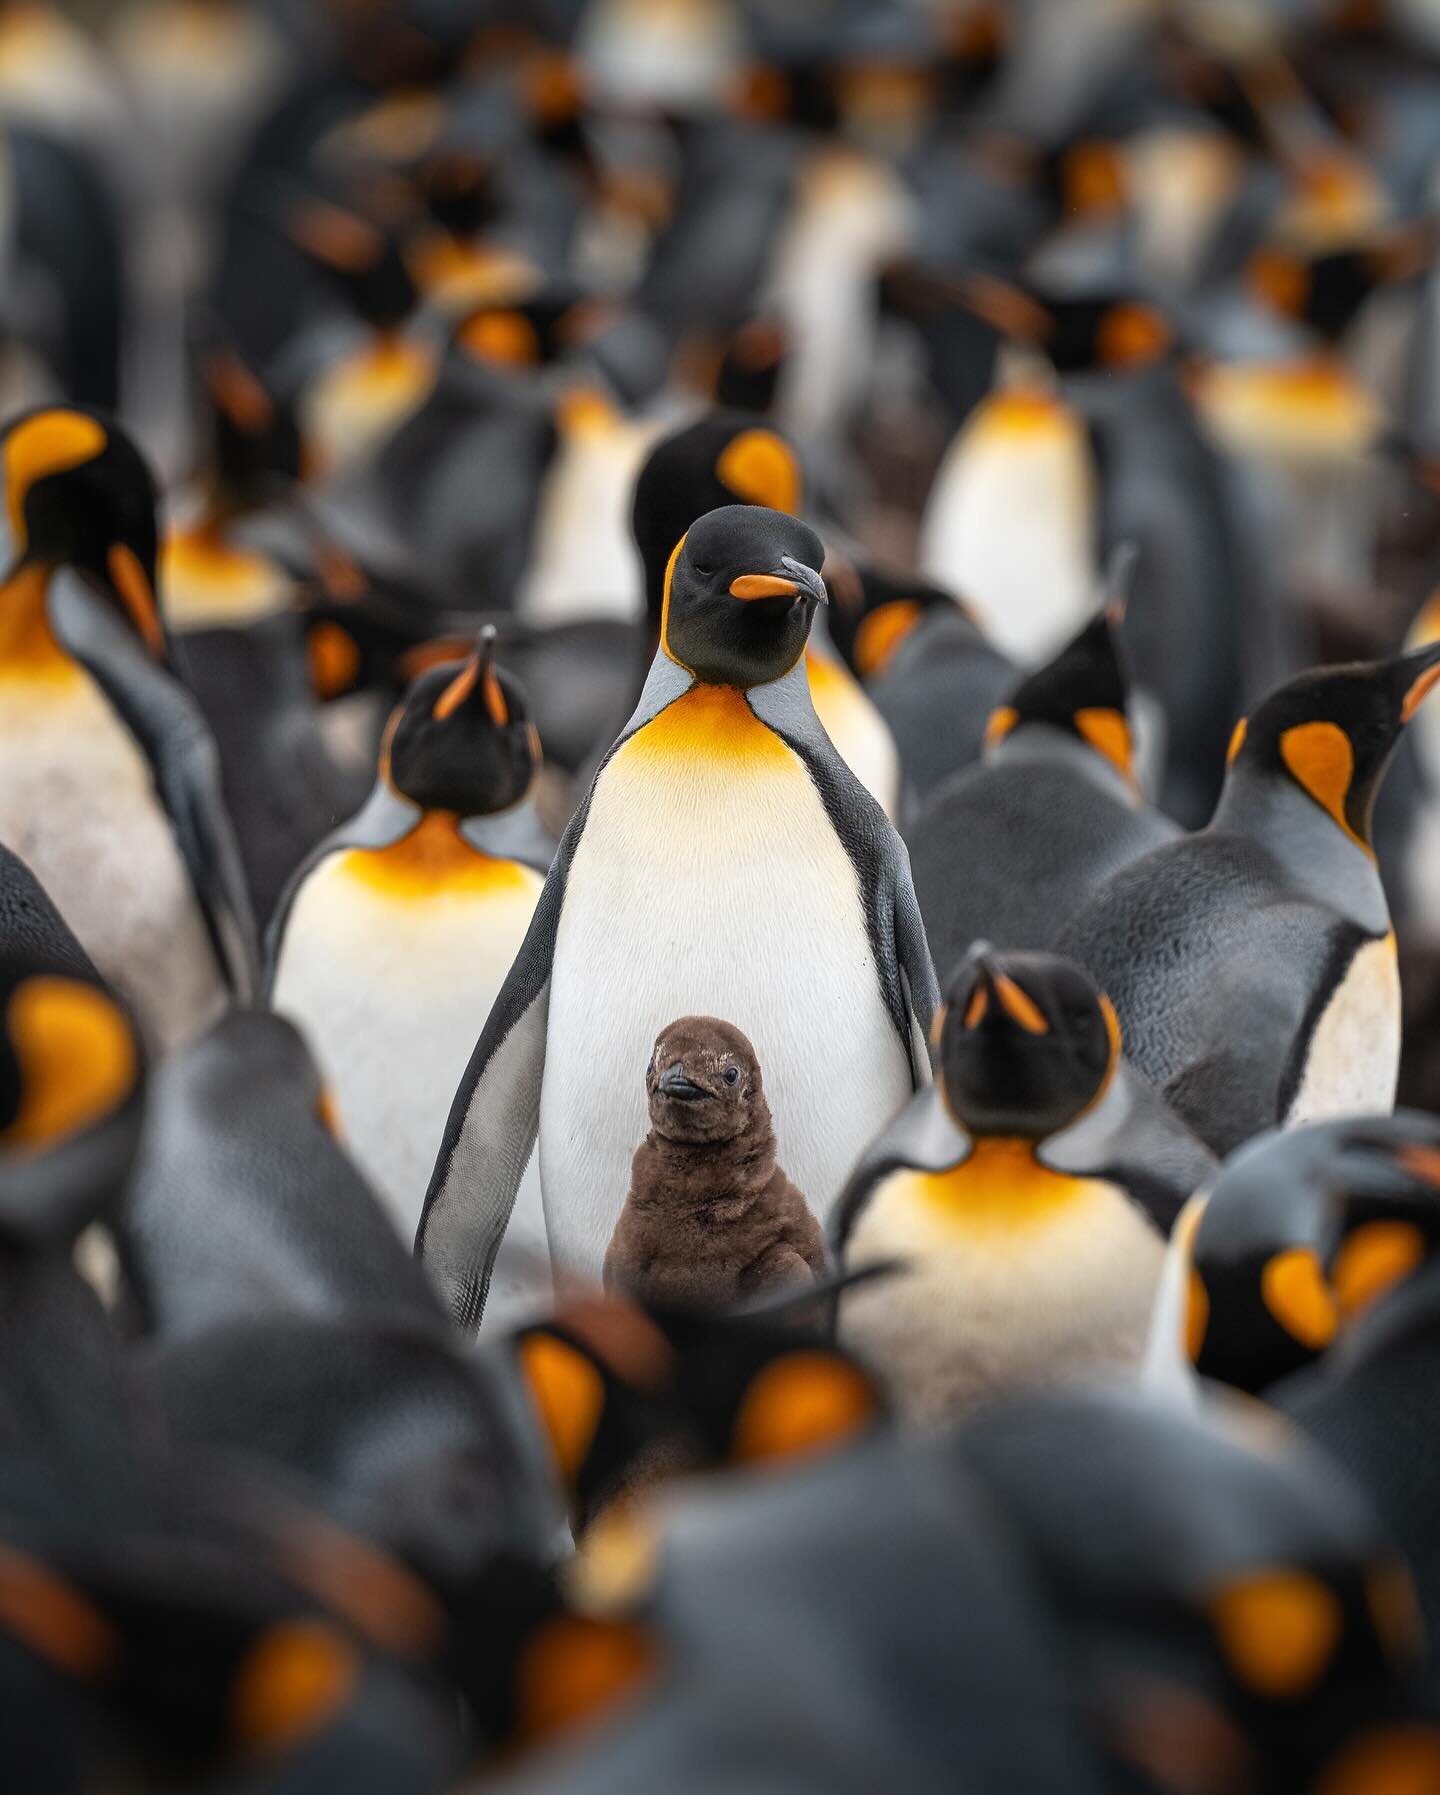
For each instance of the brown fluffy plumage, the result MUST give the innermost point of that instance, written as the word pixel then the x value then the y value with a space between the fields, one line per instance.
pixel 710 1218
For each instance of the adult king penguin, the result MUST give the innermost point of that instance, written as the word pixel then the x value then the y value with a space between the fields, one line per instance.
pixel 1253 965
pixel 726 862
pixel 397 934
pixel 112 790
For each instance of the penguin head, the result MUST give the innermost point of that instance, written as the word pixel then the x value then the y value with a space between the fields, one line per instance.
pixel 361 259
pixel 461 739
pixel 703 1082
pixel 1302 1233
pixel 256 440
pixel 1083 689
pixel 1331 733
pixel 723 459
pixel 79 493
pixel 71 1101
pixel 740 594
pixel 1027 1043
pixel 874 610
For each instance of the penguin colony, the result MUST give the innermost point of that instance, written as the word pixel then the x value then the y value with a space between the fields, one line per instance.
pixel 720 897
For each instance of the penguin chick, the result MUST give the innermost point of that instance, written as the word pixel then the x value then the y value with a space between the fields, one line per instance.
pixel 1055 803
pixel 710 1217
pixel 1252 965
pixel 1025 1193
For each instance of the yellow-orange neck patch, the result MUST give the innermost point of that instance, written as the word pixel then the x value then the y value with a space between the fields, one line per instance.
pixel 710 723
pixel 435 860
pixel 1001 1188
pixel 29 650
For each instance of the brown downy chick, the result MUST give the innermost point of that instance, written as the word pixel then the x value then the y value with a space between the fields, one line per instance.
pixel 710 1218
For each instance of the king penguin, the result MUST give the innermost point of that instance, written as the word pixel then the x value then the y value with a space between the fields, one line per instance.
pixel 1053 809
pixel 1029 1194
pixel 1253 964
pixel 112 794
pixel 725 862
pixel 398 933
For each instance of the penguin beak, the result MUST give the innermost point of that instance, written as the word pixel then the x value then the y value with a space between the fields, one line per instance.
pixel 796 581
pixel 1424 668
pixel 674 1083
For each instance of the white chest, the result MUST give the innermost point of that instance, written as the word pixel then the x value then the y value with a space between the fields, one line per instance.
pixel 709 883
pixel 1354 1057
pixel 1001 1297
pixel 392 989
pixel 78 805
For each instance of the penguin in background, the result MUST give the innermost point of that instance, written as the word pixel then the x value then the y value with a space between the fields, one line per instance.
pixel 1253 965
pixel 718 460
pixel 397 936
pixel 1301 1234
pixel 725 862
pixel 925 663
pixel 1029 1196
pixel 1233 1612
pixel 113 795
pixel 1056 803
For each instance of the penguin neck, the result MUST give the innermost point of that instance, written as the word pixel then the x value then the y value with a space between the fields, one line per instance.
pixel 669 680
pixel 1029 744
pixel 716 1178
pixel 1317 856
pixel 29 648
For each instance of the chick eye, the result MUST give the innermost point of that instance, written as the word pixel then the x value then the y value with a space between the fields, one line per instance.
pixel 732 1075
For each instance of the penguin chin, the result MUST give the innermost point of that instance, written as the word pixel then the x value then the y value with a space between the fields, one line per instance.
pixel 693 1121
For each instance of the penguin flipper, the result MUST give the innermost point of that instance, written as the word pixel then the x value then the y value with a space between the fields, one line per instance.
pixel 917 969
pixel 169 727
pixel 493 1123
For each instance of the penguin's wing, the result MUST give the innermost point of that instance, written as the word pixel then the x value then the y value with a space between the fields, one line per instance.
pixel 170 728
pixel 882 865
pixel 496 1114
pixel 922 1138
pixel 1133 1138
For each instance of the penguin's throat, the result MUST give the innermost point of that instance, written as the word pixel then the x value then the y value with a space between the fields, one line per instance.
pixel 711 723
pixel 433 860
pixel 29 649
pixel 208 579
pixel 1001 1185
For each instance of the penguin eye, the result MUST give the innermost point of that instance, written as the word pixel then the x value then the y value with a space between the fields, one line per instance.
pixel 704 572
pixel 732 1075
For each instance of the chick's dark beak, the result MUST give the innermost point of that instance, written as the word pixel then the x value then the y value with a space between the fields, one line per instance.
pixel 674 1083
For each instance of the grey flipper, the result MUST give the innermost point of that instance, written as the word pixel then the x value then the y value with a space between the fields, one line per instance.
pixel 168 726
pixel 1133 1138
pixel 882 865
pixel 495 1117
pixel 924 1137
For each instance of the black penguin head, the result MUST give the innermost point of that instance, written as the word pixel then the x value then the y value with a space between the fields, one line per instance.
pixel 71 1102
pixel 360 258
pixel 740 594
pixel 724 459
pixel 874 610
pixel 79 493
pixel 1304 1231
pixel 703 1082
pixel 1332 731
pixel 1027 1043
pixel 462 739
pixel 750 367
pixel 1113 333
pixel 256 440
pixel 1083 689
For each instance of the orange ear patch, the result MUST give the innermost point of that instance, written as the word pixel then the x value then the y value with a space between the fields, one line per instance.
pixel 293 1681
pixel 77 1056
pixel 506 337
pixel 1295 1292
pixel 1001 721
pixel 53 1619
pixel 1108 732
pixel 1282 281
pixel 1278 1629
pixel 334 658
pixel 239 394
pixel 1237 742
pixel 800 1403
pixel 1197 1314
pixel 569 1394
pixel 1418 691
pixel 337 237
pixel 1371 1258
pixel 761 468
pixel 377 1594
pixel 665 604
pixel 1401 1760
pixel 574 1668
pixel 1130 335
pixel 458 690
pixel 49 443
pixel 977 1007
pixel 1321 760
pixel 881 632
